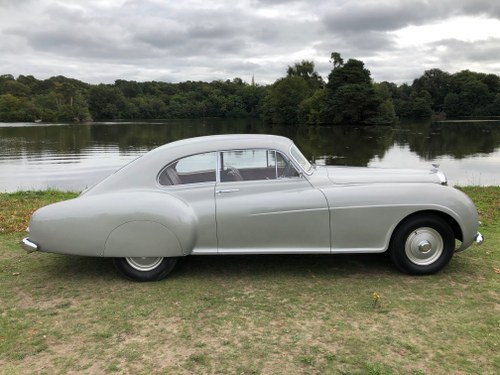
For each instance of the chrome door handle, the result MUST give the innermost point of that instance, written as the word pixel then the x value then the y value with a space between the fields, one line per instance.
pixel 225 191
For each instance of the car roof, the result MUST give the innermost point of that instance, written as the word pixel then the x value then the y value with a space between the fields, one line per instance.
pixel 142 172
pixel 228 141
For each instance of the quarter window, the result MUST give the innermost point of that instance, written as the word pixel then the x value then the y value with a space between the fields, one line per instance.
pixel 190 170
pixel 300 158
pixel 285 167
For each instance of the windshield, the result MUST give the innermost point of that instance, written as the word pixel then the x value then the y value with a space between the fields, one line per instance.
pixel 301 159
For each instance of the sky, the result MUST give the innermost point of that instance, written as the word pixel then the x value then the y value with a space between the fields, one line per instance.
pixel 99 41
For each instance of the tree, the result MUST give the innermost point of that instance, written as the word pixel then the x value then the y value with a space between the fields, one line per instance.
pixel 437 84
pixel 351 96
pixel 313 110
pixel 284 98
pixel 352 72
pixel 130 89
pixel 355 103
pixel 106 102
pixel 402 100
pixel 471 94
pixel 336 59
pixel 305 70
pixel 15 88
pixel 422 105
pixel 76 110
pixel 14 108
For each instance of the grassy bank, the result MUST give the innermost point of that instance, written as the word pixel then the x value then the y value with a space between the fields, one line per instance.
pixel 248 315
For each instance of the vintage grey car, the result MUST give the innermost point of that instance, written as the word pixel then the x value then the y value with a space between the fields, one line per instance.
pixel 255 194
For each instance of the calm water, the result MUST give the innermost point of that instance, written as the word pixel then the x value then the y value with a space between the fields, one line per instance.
pixel 74 156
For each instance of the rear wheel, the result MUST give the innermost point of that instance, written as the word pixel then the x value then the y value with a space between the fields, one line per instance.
pixel 422 245
pixel 145 268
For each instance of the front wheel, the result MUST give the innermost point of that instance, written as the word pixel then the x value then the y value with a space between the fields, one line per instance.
pixel 422 245
pixel 145 268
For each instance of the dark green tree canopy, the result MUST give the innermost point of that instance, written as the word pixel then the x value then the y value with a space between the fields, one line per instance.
pixel 306 70
pixel 352 72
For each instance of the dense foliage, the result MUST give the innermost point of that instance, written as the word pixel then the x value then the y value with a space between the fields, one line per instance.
pixel 63 99
pixel 349 95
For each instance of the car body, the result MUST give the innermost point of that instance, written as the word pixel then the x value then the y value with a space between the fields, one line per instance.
pixel 255 194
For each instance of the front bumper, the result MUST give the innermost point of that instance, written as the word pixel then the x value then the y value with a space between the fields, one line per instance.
pixel 29 246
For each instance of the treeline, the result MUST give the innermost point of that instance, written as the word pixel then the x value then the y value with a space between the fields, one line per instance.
pixel 462 94
pixel 348 95
pixel 63 99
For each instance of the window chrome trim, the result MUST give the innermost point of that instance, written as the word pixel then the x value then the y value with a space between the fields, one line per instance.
pixel 294 163
pixel 218 167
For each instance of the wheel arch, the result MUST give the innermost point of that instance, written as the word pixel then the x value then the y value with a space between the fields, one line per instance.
pixel 450 220
pixel 143 238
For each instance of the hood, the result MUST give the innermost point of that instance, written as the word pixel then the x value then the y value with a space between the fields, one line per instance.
pixel 363 175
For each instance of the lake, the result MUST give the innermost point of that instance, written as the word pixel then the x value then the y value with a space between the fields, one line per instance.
pixel 74 156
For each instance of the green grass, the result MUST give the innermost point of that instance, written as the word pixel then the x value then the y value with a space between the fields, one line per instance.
pixel 248 314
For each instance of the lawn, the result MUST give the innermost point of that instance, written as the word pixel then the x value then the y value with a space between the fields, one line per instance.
pixel 249 314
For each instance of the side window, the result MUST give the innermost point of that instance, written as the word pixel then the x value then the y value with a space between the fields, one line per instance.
pixel 243 165
pixel 285 167
pixel 190 170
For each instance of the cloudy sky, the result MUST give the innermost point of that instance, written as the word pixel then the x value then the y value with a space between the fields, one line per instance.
pixel 178 40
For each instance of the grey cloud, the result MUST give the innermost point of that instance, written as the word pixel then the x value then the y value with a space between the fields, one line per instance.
pixel 13 4
pixel 373 17
pixel 358 16
pixel 87 42
pixel 272 2
pixel 151 39
pixel 368 42
pixel 481 7
pixel 485 51
pixel 160 35
pixel 210 31
pixel 64 13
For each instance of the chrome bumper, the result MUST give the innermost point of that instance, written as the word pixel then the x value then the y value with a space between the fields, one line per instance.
pixel 479 238
pixel 29 246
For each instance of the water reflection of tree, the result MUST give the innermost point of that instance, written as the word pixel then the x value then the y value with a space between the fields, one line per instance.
pixel 335 145
pixel 344 145
pixel 455 139
pixel 38 141
pixel 341 145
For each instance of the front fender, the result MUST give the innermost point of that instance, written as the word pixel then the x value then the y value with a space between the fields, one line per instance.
pixel 364 216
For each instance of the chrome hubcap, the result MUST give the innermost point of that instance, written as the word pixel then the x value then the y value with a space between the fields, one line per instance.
pixel 424 246
pixel 144 263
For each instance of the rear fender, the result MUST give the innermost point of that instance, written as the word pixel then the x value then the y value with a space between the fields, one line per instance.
pixel 152 224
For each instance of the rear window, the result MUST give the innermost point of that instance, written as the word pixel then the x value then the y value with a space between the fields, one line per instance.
pixel 190 170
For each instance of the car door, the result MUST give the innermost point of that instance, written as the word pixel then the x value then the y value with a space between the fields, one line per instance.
pixel 263 205
pixel 192 179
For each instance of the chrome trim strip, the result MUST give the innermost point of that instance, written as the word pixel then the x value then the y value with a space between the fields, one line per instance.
pixel 264 251
pixel 28 246
pixel 289 211
pixel 225 191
